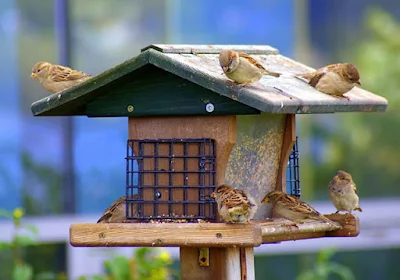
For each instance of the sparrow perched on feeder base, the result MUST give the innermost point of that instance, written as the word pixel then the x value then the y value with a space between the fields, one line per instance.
pixel 343 192
pixel 291 208
pixel 234 205
pixel 116 213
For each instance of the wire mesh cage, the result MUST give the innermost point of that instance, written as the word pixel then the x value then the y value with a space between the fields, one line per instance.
pixel 170 179
pixel 293 172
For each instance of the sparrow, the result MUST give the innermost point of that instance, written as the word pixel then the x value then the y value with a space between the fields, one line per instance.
pixel 291 208
pixel 242 68
pixel 343 192
pixel 234 205
pixel 334 79
pixel 116 213
pixel 55 78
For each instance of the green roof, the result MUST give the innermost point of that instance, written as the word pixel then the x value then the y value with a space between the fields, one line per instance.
pixel 184 79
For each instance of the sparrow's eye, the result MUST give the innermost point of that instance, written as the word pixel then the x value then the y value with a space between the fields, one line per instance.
pixel 38 70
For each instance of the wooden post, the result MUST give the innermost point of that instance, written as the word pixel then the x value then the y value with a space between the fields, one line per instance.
pixel 289 138
pixel 224 263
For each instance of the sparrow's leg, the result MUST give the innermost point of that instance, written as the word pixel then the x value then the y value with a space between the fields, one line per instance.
pixel 243 84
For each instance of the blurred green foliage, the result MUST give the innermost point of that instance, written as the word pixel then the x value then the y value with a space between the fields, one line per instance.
pixel 145 264
pixel 324 267
pixel 361 143
pixel 23 236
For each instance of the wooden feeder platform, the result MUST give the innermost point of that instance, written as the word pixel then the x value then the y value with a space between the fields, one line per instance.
pixel 252 234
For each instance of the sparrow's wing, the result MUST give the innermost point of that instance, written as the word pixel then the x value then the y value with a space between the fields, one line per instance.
pixel 110 210
pixel 251 60
pixel 61 73
pixel 236 198
pixel 295 204
pixel 315 76
pixel 355 188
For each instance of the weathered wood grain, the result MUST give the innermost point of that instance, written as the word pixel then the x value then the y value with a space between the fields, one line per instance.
pixel 165 235
pixel 350 225
pixel 289 139
pixel 211 49
pixel 254 162
pixel 277 230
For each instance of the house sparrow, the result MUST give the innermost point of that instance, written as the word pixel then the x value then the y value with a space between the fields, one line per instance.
pixel 343 192
pixel 334 79
pixel 116 213
pixel 291 208
pixel 242 68
pixel 55 78
pixel 234 205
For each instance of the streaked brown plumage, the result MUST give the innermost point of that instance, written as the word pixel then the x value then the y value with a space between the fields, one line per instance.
pixel 290 207
pixel 242 68
pixel 55 78
pixel 116 213
pixel 343 192
pixel 334 79
pixel 234 205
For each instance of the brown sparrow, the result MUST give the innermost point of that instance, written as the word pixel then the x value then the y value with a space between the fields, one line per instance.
pixel 334 79
pixel 242 68
pixel 55 78
pixel 343 192
pixel 291 208
pixel 234 205
pixel 116 213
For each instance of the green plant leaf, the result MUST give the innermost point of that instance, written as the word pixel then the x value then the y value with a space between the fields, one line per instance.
pixel 344 272
pixel 118 268
pixel 32 228
pixel 325 255
pixel 22 272
pixel 23 240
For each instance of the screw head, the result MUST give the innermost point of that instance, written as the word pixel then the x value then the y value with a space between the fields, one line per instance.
pixel 209 107
pixel 157 195
pixel 130 108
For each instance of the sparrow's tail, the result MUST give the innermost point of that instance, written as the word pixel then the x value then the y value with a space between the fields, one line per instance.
pixel 329 221
pixel 274 74
pixel 307 76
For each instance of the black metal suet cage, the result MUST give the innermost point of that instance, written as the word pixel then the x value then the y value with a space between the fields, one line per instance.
pixel 293 172
pixel 172 179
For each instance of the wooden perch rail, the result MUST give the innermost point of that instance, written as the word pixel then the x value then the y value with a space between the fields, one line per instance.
pixel 277 230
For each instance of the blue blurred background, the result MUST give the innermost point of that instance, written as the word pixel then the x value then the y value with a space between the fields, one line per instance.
pixel 71 167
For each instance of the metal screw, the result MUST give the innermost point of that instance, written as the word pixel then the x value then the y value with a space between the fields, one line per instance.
pixel 157 195
pixel 130 108
pixel 209 107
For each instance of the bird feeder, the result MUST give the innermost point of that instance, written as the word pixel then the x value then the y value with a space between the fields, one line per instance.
pixel 191 129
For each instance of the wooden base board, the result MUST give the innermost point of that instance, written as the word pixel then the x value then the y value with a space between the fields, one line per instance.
pixel 208 234
pixel 165 235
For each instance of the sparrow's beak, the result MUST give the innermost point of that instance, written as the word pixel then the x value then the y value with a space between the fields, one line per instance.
pixel 358 82
pixel 34 75
pixel 225 68
pixel 213 195
pixel 265 200
pixel 336 178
